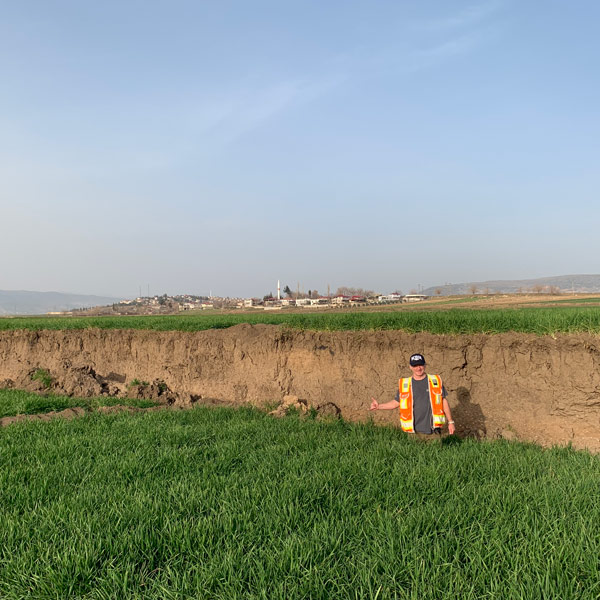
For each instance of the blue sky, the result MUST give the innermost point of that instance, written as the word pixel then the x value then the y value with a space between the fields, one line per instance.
pixel 219 146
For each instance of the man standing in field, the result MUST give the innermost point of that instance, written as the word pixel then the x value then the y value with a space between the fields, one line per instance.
pixel 424 408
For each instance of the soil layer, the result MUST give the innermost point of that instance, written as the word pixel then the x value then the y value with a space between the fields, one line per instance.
pixel 516 386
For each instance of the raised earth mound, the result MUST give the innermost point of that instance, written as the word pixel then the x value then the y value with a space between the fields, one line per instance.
pixel 517 386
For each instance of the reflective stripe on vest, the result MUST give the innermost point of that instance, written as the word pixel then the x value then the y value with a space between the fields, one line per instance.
pixel 406 403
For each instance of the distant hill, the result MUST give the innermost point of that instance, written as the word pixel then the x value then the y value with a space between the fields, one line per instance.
pixel 582 284
pixel 38 303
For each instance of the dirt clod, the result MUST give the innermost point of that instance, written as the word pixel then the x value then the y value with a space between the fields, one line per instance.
pixel 508 434
pixel 290 403
pixel 328 410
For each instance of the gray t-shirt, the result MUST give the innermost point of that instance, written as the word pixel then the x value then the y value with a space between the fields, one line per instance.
pixel 423 417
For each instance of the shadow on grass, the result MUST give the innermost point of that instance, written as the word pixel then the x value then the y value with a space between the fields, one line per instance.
pixel 452 440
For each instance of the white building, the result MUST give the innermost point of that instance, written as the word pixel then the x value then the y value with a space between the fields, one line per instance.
pixel 414 297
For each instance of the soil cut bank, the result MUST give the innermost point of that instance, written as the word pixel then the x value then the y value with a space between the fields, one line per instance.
pixel 542 389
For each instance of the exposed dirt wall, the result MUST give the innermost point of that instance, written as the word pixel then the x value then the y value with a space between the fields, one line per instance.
pixel 543 389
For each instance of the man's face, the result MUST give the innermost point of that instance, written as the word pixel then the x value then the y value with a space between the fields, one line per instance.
pixel 418 371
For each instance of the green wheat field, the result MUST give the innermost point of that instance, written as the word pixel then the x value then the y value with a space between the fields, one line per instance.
pixel 231 504
pixel 541 321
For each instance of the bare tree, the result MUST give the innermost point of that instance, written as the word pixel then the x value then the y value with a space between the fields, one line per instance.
pixel 351 291
pixel 438 291
pixel 473 289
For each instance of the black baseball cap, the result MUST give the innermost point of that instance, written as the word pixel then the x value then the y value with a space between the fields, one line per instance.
pixel 416 360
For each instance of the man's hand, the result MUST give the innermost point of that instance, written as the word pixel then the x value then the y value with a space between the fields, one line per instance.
pixel 451 428
pixel 374 404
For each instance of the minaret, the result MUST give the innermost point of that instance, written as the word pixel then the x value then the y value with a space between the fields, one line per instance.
pixel 278 291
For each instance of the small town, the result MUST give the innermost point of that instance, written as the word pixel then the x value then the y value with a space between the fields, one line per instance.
pixel 165 304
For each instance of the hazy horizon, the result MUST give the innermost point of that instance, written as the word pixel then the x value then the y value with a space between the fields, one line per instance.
pixel 217 148
pixel 572 280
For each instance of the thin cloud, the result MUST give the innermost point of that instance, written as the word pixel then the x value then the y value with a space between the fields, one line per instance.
pixel 452 47
pixel 228 117
pixel 471 16
pixel 425 44
pixel 457 35
pixel 231 116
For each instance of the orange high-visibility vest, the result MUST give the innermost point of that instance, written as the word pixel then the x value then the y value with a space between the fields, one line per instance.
pixel 406 403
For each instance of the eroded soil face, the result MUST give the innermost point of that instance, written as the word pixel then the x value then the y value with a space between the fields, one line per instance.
pixel 542 389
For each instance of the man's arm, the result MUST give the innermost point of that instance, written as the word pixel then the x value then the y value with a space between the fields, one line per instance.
pixel 391 405
pixel 448 414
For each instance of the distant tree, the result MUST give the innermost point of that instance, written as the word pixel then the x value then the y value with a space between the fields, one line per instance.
pixel 537 289
pixel 351 291
pixel 554 290
pixel 309 294
pixel 413 291
pixel 287 291
pixel 315 294
pixel 473 289
pixel 398 292
pixel 269 296
pixel 486 291
pixel 438 291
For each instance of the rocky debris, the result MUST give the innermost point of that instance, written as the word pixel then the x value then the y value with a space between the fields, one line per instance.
pixel 328 410
pixel 115 377
pixel 158 391
pixel 81 382
pixel 84 382
pixel 289 404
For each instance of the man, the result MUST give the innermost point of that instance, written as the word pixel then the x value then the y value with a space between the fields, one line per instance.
pixel 424 408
